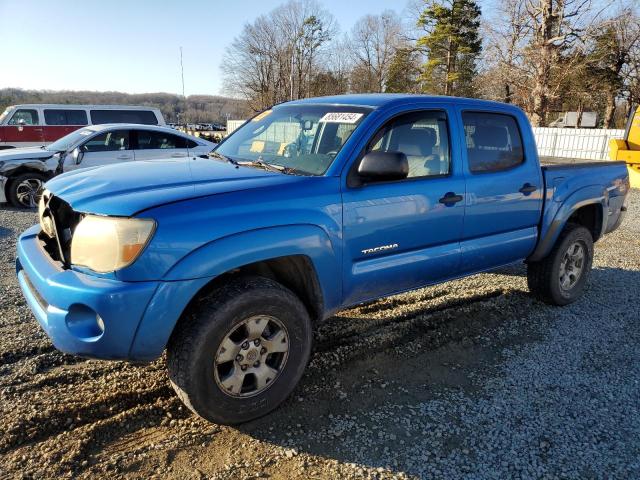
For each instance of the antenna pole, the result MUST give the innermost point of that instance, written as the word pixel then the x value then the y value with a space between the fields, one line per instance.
pixel 182 71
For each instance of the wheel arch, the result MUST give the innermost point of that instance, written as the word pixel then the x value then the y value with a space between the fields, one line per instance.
pixel 585 207
pixel 299 257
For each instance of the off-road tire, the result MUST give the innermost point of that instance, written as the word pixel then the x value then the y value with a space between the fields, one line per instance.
pixel 193 345
pixel 543 277
pixel 11 192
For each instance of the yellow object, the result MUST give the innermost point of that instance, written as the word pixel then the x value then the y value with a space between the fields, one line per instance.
pixel 633 135
pixel 257 146
pixel 628 150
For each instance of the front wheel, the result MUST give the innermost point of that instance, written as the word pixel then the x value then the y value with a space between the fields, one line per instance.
pixel 25 189
pixel 241 351
pixel 560 278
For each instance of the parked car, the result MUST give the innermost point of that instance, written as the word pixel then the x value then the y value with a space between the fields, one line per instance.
pixel 23 171
pixel 311 207
pixel 38 124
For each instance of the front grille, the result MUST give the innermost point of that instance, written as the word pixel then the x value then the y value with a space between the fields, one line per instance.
pixel 64 221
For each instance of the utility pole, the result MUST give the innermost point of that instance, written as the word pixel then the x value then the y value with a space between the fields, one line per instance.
pixel 182 71
pixel 183 97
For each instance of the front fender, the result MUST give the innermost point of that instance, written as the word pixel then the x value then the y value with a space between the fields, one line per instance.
pixel 12 167
pixel 187 277
pixel 558 212
pixel 234 251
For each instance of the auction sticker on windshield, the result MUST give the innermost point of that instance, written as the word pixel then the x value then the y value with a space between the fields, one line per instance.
pixel 341 117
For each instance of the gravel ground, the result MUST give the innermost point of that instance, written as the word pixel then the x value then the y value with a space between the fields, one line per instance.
pixel 470 379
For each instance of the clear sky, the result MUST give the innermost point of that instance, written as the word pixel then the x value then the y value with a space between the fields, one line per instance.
pixel 133 46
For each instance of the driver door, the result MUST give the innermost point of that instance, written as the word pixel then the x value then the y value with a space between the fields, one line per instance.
pixel 24 129
pixel 403 234
pixel 105 148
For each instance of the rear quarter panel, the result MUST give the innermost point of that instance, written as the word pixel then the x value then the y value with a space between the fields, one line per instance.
pixel 570 187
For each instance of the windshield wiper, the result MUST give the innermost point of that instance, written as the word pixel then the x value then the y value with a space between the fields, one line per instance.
pixel 261 163
pixel 223 157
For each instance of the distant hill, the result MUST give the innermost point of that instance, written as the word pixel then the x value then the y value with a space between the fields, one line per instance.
pixel 195 108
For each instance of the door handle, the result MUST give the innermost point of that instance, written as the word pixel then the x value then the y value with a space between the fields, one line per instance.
pixel 123 157
pixel 178 155
pixel 450 198
pixel 528 189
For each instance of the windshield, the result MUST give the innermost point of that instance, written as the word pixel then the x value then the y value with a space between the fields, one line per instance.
pixel 5 114
pixel 68 141
pixel 303 138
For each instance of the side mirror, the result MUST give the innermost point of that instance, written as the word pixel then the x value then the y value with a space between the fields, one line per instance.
pixel 76 155
pixel 383 166
pixel 21 122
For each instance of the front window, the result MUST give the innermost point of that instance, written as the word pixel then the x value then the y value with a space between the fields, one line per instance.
pixel 304 138
pixel 24 116
pixel 71 140
pixel 108 142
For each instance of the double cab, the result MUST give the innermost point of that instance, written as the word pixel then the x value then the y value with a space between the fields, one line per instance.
pixel 228 261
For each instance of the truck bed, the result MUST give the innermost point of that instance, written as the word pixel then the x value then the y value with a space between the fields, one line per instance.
pixel 547 161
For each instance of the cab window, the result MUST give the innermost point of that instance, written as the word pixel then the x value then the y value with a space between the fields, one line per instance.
pixel 423 137
pixel 24 117
pixel 493 142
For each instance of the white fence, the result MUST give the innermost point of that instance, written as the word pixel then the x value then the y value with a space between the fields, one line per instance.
pixel 575 142
pixel 233 125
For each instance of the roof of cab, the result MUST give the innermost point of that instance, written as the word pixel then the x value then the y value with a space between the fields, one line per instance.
pixel 376 100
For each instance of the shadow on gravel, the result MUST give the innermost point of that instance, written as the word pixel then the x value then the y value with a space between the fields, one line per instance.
pixel 343 408
pixel 367 407
pixel 5 232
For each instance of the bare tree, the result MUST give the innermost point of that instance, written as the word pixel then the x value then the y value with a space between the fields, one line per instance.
pixel 557 26
pixel 613 46
pixel 374 40
pixel 276 57
pixel 506 35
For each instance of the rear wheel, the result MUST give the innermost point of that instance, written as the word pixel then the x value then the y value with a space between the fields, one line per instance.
pixel 24 190
pixel 241 352
pixel 560 278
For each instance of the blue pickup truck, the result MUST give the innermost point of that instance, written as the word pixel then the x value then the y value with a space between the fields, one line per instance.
pixel 227 260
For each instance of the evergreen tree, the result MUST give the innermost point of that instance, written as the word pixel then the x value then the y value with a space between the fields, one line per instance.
pixel 403 71
pixel 452 45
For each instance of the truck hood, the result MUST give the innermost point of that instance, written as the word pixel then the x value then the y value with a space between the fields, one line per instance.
pixel 25 153
pixel 125 189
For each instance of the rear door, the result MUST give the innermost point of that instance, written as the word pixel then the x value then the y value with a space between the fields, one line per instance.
pixel 24 128
pixel 106 148
pixel 152 144
pixel 504 191
pixel 404 234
